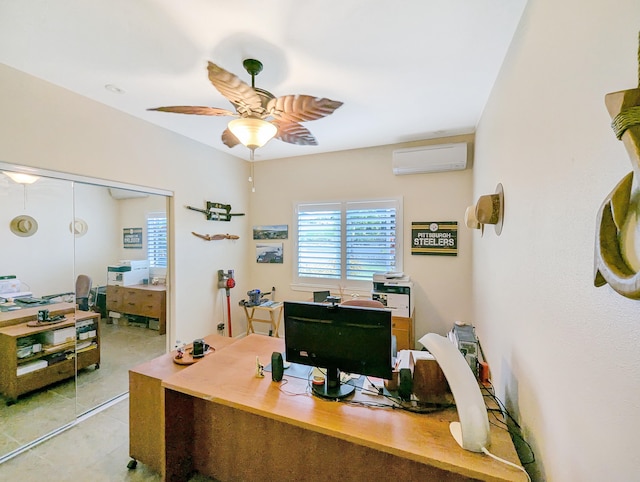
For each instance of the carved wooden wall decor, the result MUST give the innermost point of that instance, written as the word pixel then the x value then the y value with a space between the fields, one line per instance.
pixel 611 264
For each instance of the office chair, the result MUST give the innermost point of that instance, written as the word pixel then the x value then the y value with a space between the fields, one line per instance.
pixel 367 303
pixel 83 289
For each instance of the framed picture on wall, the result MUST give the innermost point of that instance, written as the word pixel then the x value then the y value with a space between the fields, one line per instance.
pixel 269 253
pixel 271 231
pixel 439 238
pixel 132 238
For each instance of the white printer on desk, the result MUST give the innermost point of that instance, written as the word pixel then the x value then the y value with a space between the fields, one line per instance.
pixel 128 273
pixel 394 291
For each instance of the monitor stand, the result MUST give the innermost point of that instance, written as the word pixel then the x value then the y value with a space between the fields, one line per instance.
pixel 332 388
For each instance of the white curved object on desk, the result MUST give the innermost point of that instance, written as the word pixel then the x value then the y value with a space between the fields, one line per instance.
pixel 472 432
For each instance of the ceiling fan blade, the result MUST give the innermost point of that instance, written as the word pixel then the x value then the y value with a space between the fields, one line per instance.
pixel 186 109
pixel 235 90
pixel 228 139
pixel 301 108
pixel 294 133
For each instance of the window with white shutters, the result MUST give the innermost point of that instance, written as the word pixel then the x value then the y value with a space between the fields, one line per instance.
pixel 345 242
pixel 157 240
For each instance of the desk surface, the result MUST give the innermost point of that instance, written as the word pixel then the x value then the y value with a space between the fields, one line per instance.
pixel 228 378
pixel 31 313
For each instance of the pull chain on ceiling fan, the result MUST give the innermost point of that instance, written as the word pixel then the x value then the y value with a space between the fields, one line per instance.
pixel 260 115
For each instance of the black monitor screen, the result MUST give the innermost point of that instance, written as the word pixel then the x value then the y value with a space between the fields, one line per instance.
pixel 338 338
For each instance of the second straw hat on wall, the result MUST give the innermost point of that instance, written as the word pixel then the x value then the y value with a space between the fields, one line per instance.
pixel 488 210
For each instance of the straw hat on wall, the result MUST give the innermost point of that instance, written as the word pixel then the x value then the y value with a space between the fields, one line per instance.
pixel 23 226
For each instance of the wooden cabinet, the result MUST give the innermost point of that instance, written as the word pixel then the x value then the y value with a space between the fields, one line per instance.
pixel 34 357
pixel 402 328
pixel 142 300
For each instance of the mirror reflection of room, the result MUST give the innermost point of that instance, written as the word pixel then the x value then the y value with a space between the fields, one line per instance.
pixel 61 240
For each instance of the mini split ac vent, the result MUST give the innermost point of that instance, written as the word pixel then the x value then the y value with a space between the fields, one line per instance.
pixel 117 193
pixel 432 158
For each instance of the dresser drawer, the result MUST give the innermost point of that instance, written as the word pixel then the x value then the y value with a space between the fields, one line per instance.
pixel 143 302
pixel 114 298
pixel 402 329
pixel 400 323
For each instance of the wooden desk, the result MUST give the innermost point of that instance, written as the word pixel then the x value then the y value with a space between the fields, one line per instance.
pixel 142 300
pixel 146 404
pixel 223 422
pixel 274 312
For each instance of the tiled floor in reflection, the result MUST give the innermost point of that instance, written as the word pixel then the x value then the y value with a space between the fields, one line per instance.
pixel 96 449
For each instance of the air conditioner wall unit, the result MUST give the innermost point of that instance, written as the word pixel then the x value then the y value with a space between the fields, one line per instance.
pixel 117 193
pixel 431 158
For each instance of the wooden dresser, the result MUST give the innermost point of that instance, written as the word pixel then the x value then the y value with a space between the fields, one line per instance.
pixel 402 328
pixel 142 300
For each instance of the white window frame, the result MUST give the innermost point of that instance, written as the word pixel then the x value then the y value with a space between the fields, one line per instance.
pixel 153 259
pixel 313 283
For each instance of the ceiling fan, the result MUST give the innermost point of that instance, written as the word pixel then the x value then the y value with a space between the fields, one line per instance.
pixel 261 115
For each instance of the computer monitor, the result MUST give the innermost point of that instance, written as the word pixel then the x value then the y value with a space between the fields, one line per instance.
pixel 352 339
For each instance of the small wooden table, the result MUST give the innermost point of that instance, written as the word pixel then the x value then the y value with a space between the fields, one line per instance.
pixel 275 316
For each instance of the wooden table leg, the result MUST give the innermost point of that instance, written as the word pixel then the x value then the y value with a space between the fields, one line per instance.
pixel 249 319
pixel 276 324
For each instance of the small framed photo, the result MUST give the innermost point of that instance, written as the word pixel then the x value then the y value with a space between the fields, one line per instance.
pixel 271 231
pixel 269 253
pixel 132 238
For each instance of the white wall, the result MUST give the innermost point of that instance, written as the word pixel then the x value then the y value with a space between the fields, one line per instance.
pixel 48 127
pixel 562 352
pixel 441 283
pixel 98 247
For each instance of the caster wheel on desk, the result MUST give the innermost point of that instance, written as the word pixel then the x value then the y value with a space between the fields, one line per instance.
pixel 133 463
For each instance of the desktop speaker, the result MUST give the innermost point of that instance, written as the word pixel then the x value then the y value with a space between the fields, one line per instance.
pixel 406 384
pixel 277 366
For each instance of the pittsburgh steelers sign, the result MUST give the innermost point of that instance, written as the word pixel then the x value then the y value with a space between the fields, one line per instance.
pixel 435 238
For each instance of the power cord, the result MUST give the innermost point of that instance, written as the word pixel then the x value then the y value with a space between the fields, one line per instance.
pixel 495 457
pixel 514 432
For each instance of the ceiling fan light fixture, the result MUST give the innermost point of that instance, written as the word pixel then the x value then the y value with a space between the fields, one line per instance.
pixel 20 177
pixel 252 132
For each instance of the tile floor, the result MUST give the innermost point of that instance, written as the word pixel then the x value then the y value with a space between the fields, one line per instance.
pixel 97 449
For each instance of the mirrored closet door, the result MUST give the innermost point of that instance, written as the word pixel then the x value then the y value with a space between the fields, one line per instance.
pixel 74 317
pixel 36 259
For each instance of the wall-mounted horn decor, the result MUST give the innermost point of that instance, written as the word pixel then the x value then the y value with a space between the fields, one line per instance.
pixel 618 210
pixel 488 210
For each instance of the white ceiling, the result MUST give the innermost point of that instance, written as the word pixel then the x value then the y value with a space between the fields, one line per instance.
pixel 406 71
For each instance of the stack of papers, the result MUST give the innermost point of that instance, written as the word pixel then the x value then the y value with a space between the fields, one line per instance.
pixel 32 366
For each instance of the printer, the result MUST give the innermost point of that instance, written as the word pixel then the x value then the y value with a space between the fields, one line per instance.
pixel 128 273
pixel 10 288
pixel 394 291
